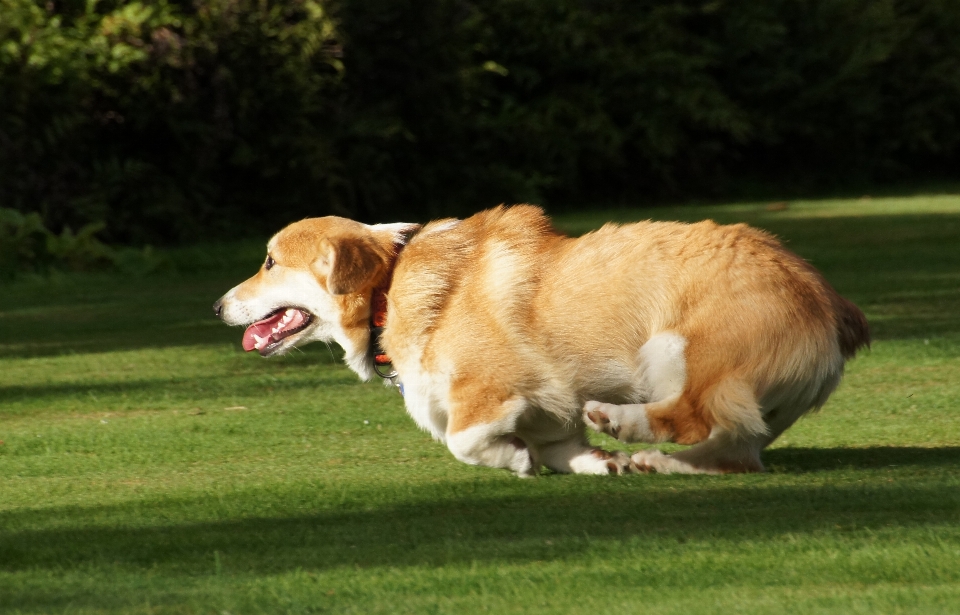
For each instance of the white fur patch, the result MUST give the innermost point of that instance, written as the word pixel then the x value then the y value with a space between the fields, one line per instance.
pixel 663 366
pixel 291 288
pixel 441 226
pixel 398 229
pixel 429 413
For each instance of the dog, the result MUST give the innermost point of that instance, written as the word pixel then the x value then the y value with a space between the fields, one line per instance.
pixel 508 338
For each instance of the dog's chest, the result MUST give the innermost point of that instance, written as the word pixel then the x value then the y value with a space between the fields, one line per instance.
pixel 424 396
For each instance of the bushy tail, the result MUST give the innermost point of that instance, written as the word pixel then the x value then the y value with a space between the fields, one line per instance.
pixel 853 332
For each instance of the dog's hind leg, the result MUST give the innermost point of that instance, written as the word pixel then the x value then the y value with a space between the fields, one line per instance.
pixel 718 450
pixel 669 420
pixel 735 444
pixel 722 453
pixel 725 423
pixel 670 417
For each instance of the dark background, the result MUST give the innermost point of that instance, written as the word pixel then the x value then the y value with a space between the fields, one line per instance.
pixel 178 121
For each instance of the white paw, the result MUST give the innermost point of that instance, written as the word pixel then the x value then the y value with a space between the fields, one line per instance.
pixel 601 462
pixel 651 461
pixel 655 461
pixel 620 463
pixel 601 417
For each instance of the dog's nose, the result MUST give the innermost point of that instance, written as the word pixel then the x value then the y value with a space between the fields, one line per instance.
pixel 218 307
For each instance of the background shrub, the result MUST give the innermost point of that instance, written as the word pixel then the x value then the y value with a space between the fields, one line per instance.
pixel 27 246
pixel 175 120
pixel 168 121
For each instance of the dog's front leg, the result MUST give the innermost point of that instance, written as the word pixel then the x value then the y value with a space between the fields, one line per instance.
pixel 487 436
pixel 576 455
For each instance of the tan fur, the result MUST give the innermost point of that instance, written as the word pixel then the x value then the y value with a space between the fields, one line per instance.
pixel 502 328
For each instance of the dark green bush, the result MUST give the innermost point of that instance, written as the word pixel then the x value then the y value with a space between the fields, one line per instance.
pixel 169 121
pixel 574 101
pixel 175 120
pixel 23 243
pixel 27 246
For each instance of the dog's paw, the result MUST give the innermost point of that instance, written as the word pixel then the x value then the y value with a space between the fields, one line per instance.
pixel 655 461
pixel 650 461
pixel 599 462
pixel 598 417
pixel 616 462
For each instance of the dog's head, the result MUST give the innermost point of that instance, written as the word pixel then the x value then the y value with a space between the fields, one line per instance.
pixel 315 285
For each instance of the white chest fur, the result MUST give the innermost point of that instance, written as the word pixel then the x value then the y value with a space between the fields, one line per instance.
pixel 425 398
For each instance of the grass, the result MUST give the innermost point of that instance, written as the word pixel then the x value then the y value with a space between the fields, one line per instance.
pixel 149 466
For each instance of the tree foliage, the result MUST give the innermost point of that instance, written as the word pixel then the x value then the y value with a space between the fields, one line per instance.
pixel 170 120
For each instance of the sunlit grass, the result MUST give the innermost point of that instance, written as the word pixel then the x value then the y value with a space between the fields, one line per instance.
pixel 148 465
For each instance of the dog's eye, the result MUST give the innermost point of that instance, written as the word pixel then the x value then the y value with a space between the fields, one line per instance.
pixel 269 262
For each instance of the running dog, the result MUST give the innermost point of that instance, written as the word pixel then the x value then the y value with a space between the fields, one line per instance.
pixel 508 338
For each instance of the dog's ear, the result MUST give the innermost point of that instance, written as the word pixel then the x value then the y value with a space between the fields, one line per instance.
pixel 350 263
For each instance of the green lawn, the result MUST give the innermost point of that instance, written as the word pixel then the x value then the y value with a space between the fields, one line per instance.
pixel 148 465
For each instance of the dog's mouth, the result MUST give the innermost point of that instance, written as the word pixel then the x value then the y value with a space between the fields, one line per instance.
pixel 265 336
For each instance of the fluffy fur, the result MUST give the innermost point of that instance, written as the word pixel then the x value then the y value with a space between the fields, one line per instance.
pixel 510 337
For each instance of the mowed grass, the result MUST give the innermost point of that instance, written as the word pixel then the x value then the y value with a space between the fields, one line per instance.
pixel 148 465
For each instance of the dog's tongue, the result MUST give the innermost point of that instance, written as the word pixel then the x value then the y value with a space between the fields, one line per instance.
pixel 273 328
pixel 262 329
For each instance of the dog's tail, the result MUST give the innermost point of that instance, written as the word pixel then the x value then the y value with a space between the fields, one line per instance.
pixel 853 332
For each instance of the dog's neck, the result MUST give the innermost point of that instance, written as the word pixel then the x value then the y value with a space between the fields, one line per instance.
pixel 378 311
pixel 378 318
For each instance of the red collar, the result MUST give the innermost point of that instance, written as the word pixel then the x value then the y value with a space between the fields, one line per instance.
pixel 378 317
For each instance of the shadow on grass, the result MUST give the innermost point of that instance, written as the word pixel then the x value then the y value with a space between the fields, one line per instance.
pixel 460 521
pixel 249 382
pixel 795 460
pixel 112 313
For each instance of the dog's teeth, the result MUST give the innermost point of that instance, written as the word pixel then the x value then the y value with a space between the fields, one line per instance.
pixel 289 313
pixel 259 340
